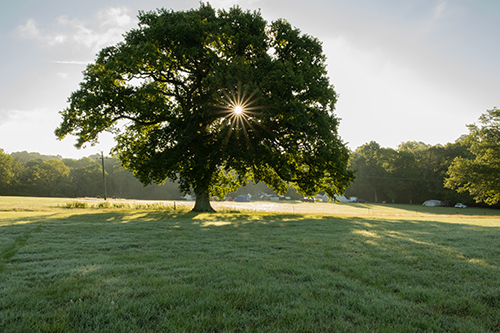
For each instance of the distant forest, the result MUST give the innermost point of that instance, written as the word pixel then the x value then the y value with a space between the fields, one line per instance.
pixel 412 173
pixel 32 174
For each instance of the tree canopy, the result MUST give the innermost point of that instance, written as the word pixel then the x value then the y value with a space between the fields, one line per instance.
pixel 170 90
pixel 7 170
pixel 480 176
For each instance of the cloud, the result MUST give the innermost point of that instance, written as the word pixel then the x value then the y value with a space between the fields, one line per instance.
pixel 6 116
pixel 115 17
pixel 226 4
pixel 70 62
pixel 439 11
pixel 29 30
pixel 444 20
pixel 107 28
pixel 436 16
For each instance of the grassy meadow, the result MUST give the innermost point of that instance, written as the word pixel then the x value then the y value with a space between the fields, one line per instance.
pixel 89 266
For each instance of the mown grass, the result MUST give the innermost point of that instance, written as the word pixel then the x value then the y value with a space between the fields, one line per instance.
pixel 143 269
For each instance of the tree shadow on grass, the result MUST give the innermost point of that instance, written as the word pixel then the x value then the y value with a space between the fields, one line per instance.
pixel 467 241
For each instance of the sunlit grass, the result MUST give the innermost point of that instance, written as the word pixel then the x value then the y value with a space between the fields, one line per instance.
pixel 117 269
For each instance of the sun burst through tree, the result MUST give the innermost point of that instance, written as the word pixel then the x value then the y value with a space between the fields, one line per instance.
pixel 240 110
pixel 168 81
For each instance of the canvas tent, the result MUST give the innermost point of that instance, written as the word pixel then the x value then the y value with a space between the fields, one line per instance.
pixel 322 197
pixel 432 203
pixel 341 198
pixel 242 198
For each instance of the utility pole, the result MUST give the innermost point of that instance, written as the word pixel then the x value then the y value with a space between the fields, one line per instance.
pixel 103 175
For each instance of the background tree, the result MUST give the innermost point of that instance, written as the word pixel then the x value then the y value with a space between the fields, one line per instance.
pixel 480 176
pixel 47 177
pixel 213 99
pixel 452 150
pixel 86 178
pixel 413 173
pixel 403 177
pixel 25 157
pixel 8 173
pixel 368 160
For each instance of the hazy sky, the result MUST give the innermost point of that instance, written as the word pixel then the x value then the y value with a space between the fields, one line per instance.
pixel 405 69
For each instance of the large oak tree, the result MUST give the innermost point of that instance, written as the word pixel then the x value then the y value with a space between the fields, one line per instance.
pixel 212 99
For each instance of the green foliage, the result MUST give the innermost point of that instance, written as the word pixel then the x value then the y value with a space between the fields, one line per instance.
pixel 46 176
pixel 76 204
pixel 175 80
pixel 480 175
pixel 413 173
pixel 25 156
pixel 7 170
pixel 370 161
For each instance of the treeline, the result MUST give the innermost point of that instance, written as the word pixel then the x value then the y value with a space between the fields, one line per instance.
pixel 33 174
pixel 412 173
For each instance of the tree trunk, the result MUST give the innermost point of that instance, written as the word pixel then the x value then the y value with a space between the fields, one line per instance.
pixel 202 204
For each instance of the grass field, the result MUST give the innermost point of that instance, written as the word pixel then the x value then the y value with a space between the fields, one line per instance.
pixel 258 267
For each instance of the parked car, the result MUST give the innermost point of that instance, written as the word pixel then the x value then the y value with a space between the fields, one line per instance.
pixel 460 205
pixel 307 199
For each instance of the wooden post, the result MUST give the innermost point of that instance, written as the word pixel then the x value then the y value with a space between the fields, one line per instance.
pixel 103 175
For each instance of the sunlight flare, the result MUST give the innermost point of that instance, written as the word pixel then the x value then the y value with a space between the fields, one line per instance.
pixel 238 109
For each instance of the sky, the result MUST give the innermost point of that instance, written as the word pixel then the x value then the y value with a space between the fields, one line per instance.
pixel 405 70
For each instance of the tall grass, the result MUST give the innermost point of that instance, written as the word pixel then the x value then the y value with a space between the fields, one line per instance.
pixel 127 205
pixel 139 270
